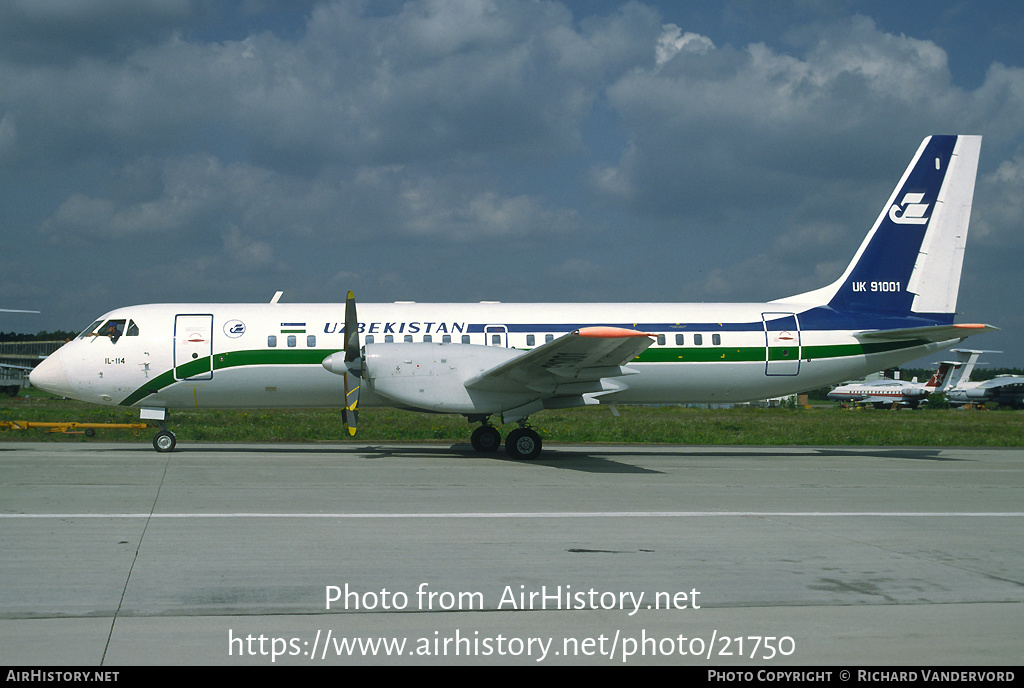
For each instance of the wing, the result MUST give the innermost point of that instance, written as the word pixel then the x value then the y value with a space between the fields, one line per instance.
pixel 585 355
pixel 1015 384
pixel 881 400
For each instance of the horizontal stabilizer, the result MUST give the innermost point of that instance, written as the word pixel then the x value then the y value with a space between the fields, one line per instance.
pixel 931 333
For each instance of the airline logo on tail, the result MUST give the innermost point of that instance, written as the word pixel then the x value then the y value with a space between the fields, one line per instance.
pixel 939 376
pixel 912 212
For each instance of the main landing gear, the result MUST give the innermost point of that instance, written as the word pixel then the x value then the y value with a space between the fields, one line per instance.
pixel 523 443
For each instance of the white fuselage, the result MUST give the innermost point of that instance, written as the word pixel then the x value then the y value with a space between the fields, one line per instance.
pixel 270 355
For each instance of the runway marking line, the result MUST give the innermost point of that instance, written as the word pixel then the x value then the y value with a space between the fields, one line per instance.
pixel 546 514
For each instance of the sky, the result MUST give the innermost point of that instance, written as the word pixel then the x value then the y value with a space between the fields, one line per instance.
pixel 469 150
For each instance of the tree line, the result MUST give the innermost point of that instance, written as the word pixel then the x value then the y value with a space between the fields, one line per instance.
pixel 44 336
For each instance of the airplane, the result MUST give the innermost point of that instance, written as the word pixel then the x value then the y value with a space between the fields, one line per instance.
pixel 11 385
pixel 889 392
pixel 12 389
pixel 894 303
pixel 1005 390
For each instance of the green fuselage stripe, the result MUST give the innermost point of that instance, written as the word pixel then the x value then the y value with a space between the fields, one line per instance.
pixel 704 354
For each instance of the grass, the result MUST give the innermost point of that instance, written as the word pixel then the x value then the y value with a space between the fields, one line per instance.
pixel 665 425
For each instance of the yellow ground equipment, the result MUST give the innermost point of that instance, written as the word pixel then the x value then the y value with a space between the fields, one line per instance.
pixel 70 427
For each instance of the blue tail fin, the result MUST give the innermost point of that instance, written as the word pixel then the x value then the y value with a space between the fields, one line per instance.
pixel 910 261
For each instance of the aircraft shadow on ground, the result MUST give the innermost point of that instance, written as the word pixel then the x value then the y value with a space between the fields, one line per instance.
pixel 595 460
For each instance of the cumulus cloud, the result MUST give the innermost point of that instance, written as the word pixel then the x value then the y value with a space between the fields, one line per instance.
pixel 998 211
pixel 673 41
pixel 751 141
pixel 432 209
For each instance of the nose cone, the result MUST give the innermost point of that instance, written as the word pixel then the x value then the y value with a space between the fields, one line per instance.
pixel 49 376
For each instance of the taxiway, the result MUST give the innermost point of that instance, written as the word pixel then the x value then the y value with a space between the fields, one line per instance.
pixel 114 554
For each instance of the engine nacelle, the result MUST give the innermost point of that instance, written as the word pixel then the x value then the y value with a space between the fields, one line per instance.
pixel 432 376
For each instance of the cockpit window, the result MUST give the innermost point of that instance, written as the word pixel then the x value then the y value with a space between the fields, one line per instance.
pixel 113 329
pixel 91 330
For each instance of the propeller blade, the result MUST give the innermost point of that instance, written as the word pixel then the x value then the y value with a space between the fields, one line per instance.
pixel 351 329
pixel 350 411
pixel 353 365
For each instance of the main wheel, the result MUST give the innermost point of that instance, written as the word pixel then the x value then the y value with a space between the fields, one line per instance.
pixel 485 439
pixel 523 443
pixel 164 441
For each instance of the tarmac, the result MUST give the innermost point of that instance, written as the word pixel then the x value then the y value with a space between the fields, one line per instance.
pixel 343 554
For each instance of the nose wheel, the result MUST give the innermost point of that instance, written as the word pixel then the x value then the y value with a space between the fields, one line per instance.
pixel 164 441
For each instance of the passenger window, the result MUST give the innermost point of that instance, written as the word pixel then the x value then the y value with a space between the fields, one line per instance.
pixel 272 340
pixel 446 339
pixel 428 338
pixel 549 338
pixel 408 338
pixel 716 339
pixel 661 340
pixel 698 339
pixel 465 339
pixel 369 339
pixel 680 339
pixel 530 340
pixel 495 340
pixel 389 339
pixel 291 340
pixel 311 341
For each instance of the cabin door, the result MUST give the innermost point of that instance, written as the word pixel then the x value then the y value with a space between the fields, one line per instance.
pixel 193 347
pixel 782 343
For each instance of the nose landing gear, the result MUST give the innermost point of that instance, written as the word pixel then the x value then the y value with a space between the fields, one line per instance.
pixel 164 441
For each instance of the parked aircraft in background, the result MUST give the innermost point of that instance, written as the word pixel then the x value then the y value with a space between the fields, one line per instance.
pixel 894 303
pixel 1005 390
pixel 6 366
pixel 889 392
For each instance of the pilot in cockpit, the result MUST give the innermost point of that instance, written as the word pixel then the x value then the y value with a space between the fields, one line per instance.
pixel 114 329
